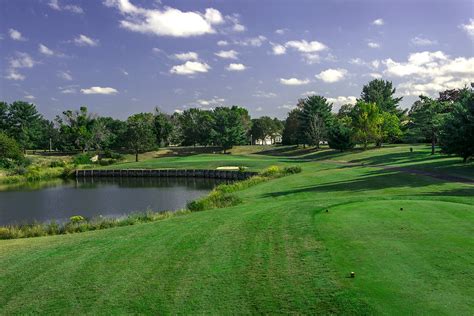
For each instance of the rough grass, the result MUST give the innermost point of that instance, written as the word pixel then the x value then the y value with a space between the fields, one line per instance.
pixel 277 252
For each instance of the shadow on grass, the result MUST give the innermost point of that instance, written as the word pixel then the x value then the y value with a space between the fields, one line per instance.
pixel 379 180
pixel 188 151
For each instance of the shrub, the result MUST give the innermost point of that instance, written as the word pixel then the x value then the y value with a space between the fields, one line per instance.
pixel 57 163
pixel 9 149
pixel 76 219
pixel 83 159
pixel 271 171
pixel 292 170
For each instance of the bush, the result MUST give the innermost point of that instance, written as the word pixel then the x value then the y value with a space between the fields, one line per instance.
pixel 83 159
pixel 57 163
pixel 9 149
pixel 292 170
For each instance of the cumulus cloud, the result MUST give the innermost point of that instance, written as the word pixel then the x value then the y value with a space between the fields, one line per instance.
pixel 239 27
pixel 21 60
pixel 306 47
pixel 252 41
pixel 45 50
pixel 16 35
pixel 278 49
pixel 236 67
pixel 99 90
pixel 421 41
pixel 281 31
pixel 332 75
pixel 83 40
pixel 431 72
pixel 375 75
pixel 30 97
pixel 214 101
pixel 227 54
pixel 468 28
pixel 71 89
pixel 378 22
pixel 190 68
pixel 338 101
pixel 54 4
pixel 187 56
pixel 294 81
pixel 65 75
pixel 166 22
pixel 222 43
pixel 373 45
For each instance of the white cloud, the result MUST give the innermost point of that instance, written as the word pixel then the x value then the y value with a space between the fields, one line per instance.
pixel 338 101
pixel 357 61
pixel 222 43
pixel 190 68
pixel 187 56
pixel 332 75
pixel 68 89
pixel 236 67
pixel 259 109
pixel 294 81
pixel 30 97
pixel 308 93
pixel 45 50
pixel 16 35
pixel 306 47
pixel 239 27
pixel 278 49
pixel 420 41
pixel 99 90
pixel 166 22
pixel 375 75
pixel 252 41
pixel 54 4
pixel 378 22
pixel 83 40
pixel 468 28
pixel 263 94
pixel 65 75
pixel 157 50
pixel 227 54
pixel 281 31
pixel 373 45
pixel 431 72
pixel 287 106
pixel 214 101
pixel 21 60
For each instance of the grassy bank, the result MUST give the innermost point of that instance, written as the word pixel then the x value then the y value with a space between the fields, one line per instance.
pixel 278 251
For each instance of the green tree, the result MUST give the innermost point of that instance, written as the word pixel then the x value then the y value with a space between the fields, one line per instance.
pixel 457 131
pixel 24 123
pixel 262 128
pixel 341 135
pixel 390 129
pixel 315 119
pixel 426 117
pixel 366 121
pixel 139 135
pixel 9 150
pixel 163 126
pixel 4 116
pixel 76 129
pixel 381 93
pixel 195 125
pixel 291 130
pixel 229 126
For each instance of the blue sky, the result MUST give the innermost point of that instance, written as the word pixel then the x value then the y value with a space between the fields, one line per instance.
pixel 120 57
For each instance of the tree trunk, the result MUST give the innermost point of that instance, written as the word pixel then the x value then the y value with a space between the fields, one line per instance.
pixel 136 156
pixel 464 159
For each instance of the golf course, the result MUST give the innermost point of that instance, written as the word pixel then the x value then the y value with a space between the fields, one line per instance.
pixel 401 220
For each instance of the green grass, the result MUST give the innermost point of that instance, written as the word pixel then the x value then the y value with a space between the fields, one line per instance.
pixel 276 252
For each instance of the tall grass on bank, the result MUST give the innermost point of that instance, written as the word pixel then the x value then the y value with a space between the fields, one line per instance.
pixel 220 197
pixel 37 173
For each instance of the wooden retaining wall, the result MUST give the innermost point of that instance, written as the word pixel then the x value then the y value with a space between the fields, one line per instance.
pixel 190 173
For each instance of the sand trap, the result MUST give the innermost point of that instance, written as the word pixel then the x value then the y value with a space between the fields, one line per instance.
pixel 228 168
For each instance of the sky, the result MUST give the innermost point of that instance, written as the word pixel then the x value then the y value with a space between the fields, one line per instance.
pixel 120 57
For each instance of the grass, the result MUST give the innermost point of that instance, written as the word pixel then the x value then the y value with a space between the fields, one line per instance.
pixel 278 251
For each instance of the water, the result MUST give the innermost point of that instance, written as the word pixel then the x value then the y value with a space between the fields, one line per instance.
pixel 90 197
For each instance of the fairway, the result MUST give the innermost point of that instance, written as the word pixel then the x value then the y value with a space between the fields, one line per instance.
pixel 277 252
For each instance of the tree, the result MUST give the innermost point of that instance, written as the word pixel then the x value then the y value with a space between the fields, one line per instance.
pixel 291 129
pixel 75 128
pixel 457 131
pixel 24 123
pixel 366 120
pixel 163 126
pixel 381 93
pixel 426 117
pixel 9 149
pixel 229 126
pixel 139 135
pixel 390 129
pixel 262 128
pixel 341 135
pixel 3 116
pixel 315 119
pixel 195 125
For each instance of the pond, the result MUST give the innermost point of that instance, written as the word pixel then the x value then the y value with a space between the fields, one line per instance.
pixel 90 197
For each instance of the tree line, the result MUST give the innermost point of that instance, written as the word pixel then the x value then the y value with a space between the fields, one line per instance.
pixel 375 118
